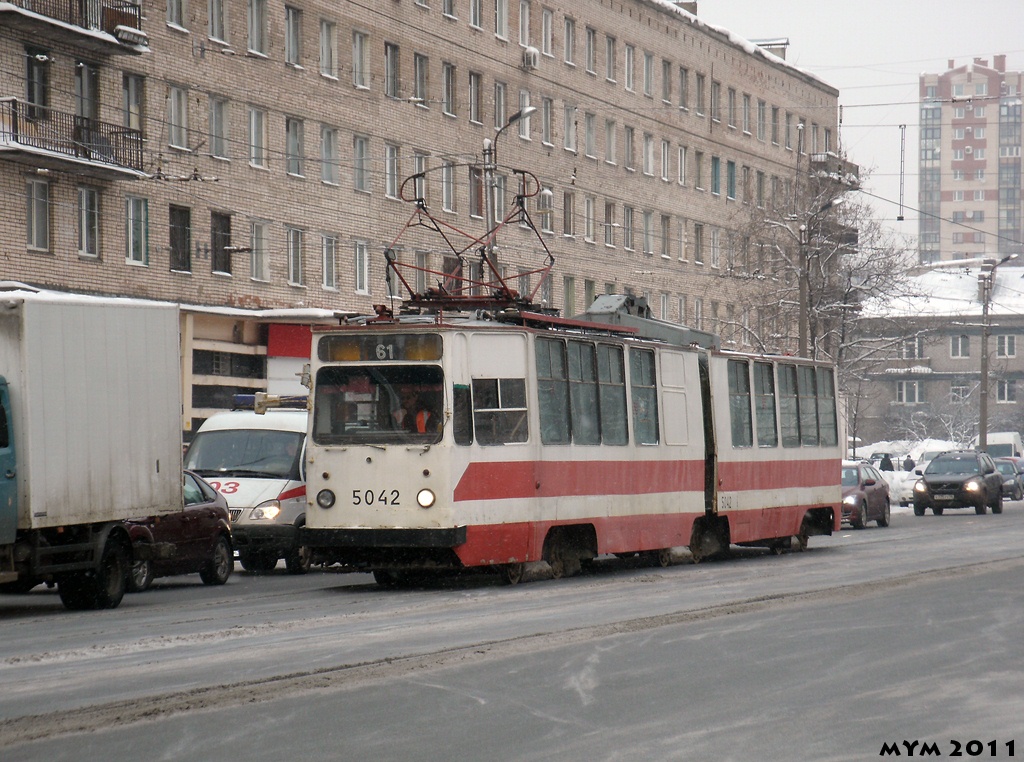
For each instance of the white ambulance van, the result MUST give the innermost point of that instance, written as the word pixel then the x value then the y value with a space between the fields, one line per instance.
pixel 256 462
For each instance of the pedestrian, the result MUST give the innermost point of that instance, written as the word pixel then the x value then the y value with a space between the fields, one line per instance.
pixel 886 464
pixel 908 464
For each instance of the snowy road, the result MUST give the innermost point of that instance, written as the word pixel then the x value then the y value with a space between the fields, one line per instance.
pixel 330 665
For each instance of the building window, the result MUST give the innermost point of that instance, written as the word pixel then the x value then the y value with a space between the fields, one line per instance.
pixel 37 82
pixel 293 146
pixel 609 58
pixel 666 153
pixel 219 127
pixel 698 244
pixel 475 95
pixel 716 100
pixel 328 49
pixel 648 74
pixel 137 228
pixel 648 155
pixel 361 163
pixel 590 52
pixel 588 219
pixel 684 88
pixel 762 120
pixel 648 232
pixel 88 222
pixel 609 141
pixel 546 117
pixel 133 98
pixel 419 169
pixel 569 122
pixel 730 179
pixel 176 13
pixel 666 81
pixel 908 393
pixel 257 138
pixel 476 192
pixel 391 70
pixel 627 228
pixel 391 170
pixel 958 392
pixel 292 35
pixel 258 26
pixel 38 217
pixel 329 155
pixel 609 223
pixel 959 346
pixel 181 238
pixel 259 267
pixel 220 240
pixel 420 81
pixel 666 239
pixel 589 138
pixel 361 266
pixel 629 65
pixel 1006 391
pixel 716 175
pixel 448 186
pixel 568 213
pixel 1006 345
pixel 177 117
pixel 524 122
pixel 500 105
pixel 699 94
pixel 329 252
pixel 570 41
pixel 501 19
pixel 360 74
pixel 294 243
pixel 544 209
pixel 448 89
pixel 698 170
pixel 913 349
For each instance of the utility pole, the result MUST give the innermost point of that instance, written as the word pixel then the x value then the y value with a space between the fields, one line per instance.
pixel 987 282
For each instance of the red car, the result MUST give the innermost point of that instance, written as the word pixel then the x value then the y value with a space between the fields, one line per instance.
pixel 198 539
pixel 865 495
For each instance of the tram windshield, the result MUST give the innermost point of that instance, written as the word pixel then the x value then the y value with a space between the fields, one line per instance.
pixel 378 404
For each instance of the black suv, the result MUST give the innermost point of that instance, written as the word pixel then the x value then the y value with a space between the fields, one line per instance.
pixel 959 479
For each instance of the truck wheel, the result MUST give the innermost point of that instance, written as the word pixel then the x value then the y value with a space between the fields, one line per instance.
pixel 102 589
pixel 140 577
pixel 220 565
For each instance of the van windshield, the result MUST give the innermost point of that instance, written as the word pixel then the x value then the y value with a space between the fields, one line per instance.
pixel 380 404
pixel 254 453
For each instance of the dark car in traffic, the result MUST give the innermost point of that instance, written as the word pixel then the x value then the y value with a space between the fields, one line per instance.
pixel 865 495
pixel 959 479
pixel 195 539
pixel 1012 470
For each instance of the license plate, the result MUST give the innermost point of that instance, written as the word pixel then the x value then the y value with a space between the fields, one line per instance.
pixel 944 497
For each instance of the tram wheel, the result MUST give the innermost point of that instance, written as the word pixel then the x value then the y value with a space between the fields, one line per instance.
pixel 512 574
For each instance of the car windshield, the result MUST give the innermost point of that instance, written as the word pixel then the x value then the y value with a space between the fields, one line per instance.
pixel 849 476
pixel 1007 469
pixel 258 453
pixel 967 464
pixel 378 404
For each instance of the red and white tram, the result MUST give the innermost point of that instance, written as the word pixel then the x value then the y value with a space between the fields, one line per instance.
pixel 495 439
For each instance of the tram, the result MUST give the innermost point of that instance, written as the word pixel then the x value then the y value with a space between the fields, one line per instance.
pixel 533 438
pixel 472 429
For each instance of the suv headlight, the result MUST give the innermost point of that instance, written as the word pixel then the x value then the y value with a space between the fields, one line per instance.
pixel 265 511
pixel 920 486
pixel 972 486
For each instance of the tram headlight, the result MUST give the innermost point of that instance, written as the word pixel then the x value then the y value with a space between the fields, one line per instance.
pixel 325 498
pixel 425 498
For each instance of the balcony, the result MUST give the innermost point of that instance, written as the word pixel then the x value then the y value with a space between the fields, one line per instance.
pixel 100 26
pixel 44 137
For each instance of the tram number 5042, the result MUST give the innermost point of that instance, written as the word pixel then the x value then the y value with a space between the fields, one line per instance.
pixel 369 497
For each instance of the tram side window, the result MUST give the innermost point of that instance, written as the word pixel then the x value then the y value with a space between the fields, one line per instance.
pixel 552 391
pixel 827 408
pixel 764 403
pixel 462 414
pixel 643 387
pixel 611 379
pixel 499 410
pixel 789 415
pixel 807 394
pixel 583 393
pixel 739 404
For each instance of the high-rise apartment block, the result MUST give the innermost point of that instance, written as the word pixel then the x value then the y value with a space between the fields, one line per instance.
pixel 970 162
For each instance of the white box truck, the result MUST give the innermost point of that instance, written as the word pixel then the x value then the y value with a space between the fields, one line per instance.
pixel 90 435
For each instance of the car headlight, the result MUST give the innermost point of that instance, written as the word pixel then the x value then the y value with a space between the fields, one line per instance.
pixel 850 500
pixel 425 498
pixel 972 486
pixel 920 486
pixel 265 511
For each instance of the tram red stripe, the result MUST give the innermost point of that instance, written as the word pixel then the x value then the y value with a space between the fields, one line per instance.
pixel 527 479
pixel 523 479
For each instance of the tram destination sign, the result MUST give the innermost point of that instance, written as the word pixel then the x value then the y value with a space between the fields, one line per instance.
pixel 380 347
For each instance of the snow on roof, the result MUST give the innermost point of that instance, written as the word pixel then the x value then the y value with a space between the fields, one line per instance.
pixel 953 292
pixel 740 42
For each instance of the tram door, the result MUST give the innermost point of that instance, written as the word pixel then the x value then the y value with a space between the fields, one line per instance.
pixel 710 445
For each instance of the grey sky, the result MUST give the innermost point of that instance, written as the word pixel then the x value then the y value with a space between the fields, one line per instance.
pixel 873 51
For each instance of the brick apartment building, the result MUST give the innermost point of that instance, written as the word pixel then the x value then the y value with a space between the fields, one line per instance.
pixel 245 157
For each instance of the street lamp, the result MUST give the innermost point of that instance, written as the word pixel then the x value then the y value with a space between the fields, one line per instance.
pixel 490 185
pixel 987 282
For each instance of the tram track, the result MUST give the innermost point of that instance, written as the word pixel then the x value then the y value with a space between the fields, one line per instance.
pixel 114 714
